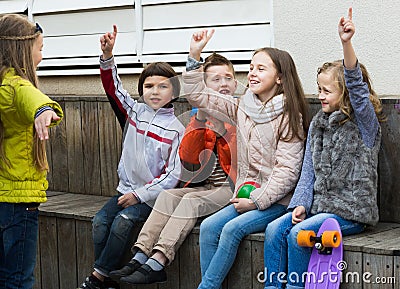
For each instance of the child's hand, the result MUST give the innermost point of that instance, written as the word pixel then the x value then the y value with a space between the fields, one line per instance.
pixel 298 215
pixel 198 42
pixel 217 126
pixel 201 114
pixel 127 200
pixel 346 27
pixel 243 205
pixel 107 42
pixel 42 123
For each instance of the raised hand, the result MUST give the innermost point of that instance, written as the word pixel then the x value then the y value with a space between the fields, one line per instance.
pixel 346 31
pixel 346 27
pixel 199 41
pixel 107 42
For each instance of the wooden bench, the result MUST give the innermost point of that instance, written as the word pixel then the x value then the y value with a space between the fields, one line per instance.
pixel 83 155
pixel 66 252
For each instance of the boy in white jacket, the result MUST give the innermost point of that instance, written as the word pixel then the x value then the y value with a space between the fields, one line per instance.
pixel 149 161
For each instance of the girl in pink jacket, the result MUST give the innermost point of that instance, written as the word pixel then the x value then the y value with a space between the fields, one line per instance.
pixel 270 118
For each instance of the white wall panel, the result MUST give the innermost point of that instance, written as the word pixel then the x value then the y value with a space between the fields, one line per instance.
pixel 14 6
pixel 157 2
pixel 85 45
pixel 51 6
pixel 150 30
pixel 205 13
pixel 231 38
pixel 81 23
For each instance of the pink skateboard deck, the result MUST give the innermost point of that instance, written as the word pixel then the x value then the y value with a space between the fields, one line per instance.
pixel 324 266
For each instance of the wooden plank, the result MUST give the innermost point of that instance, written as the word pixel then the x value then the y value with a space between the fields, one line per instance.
pixel 109 145
pixel 37 272
pixel 390 247
pixel 66 253
pixel 189 261
pixel 211 13
pixel 381 227
pixel 386 243
pixel 172 270
pixel 371 237
pixel 49 256
pixel 257 264
pixel 376 268
pixel 396 279
pixel 225 39
pixel 182 112
pixel 75 206
pixel 59 156
pixel 118 139
pixel 240 275
pixel 389 166
pixel 352 275
pixel 76 175
pixel 89 45
pixel 49 176
pixel 81 22
pixel 84 249
pixel 90 143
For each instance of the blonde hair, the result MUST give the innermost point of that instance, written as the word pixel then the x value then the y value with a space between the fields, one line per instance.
pixel 17 37
pixel 337 70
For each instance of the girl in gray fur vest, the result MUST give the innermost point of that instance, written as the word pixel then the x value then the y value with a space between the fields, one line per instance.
pixel 339 172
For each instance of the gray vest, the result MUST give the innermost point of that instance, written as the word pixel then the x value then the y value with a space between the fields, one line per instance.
pixel 345 169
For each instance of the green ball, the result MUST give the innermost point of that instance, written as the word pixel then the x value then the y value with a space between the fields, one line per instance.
pixel 245 190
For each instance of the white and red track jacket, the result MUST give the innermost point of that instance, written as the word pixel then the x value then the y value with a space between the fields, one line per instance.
pixel 149 160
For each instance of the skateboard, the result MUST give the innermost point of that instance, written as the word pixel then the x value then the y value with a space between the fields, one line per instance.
pixel 324 270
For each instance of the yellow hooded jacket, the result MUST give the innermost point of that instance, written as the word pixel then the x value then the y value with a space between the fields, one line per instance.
pixel 21 182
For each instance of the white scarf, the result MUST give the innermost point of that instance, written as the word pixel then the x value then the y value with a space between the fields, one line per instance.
pixel 262 113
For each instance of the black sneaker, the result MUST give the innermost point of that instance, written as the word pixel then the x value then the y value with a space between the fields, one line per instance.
pixel 92 282
pixel 127 270
pixel 110 284
pixel 145 275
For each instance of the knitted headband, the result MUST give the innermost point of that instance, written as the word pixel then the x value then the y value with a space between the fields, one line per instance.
pixel 20 38
pixel 38 30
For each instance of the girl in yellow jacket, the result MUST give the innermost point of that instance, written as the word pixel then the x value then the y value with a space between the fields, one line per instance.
pixel 25 115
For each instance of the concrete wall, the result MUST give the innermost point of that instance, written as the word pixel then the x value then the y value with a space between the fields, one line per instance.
pixel 308 30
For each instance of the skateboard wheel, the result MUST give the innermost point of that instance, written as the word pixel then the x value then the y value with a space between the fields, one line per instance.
pixel 331 239
pixel 306 238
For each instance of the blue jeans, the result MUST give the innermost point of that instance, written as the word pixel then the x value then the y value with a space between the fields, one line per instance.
pixel 283 255
pixel 220 236
pixel 112 229
pixel 18 242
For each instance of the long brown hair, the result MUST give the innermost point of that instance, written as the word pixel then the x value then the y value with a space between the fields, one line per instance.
pixel 17 37
pixel 296 106
pixel 337 71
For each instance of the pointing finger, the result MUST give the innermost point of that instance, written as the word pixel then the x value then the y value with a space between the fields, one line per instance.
pixel 350 15
pixel 211 34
